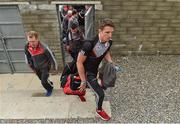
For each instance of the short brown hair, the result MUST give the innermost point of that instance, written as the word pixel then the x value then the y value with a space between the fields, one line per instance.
pixel 32 34
pixel 106 22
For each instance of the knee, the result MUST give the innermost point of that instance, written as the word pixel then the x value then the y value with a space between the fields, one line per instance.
pixel 101 95
pixel 44 78
pixel 43 81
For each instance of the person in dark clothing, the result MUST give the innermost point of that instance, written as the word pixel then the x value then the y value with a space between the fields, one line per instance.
pixel 39 57
pixel 75 39
pixel 81 20
pixel 64 11
pixel 73 19
pixel 89 58
pixel 65 23
pixel 79 7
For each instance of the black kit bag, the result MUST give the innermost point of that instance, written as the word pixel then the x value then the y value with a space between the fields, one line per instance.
pixel 107 74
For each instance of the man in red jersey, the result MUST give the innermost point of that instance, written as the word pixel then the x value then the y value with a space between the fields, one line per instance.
pixel 40 57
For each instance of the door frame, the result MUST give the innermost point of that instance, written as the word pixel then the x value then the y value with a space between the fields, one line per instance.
pixel 97 6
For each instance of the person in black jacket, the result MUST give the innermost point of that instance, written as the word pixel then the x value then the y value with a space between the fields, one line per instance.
pixel 75 39
pixel 39 57
pixel 89 58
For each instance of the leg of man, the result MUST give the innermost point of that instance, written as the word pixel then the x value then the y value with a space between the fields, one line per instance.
pixel 38 73
pixel 48 85
pixel 99 93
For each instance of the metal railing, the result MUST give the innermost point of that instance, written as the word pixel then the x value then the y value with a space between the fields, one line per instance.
pixel 3 41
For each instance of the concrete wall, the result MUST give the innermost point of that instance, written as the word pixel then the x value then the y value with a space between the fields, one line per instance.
pixel 142 26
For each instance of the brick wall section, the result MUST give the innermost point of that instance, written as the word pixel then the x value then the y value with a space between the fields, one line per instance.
pixel 142 26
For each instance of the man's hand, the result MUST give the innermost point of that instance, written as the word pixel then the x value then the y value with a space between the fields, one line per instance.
pixel 82 87
pixel 118 68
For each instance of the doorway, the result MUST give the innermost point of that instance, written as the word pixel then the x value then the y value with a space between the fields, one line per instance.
pixel 86 18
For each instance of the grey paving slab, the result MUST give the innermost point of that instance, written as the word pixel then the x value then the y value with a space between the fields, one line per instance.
pixel 35 108
pixel 39 107
pixel 15 81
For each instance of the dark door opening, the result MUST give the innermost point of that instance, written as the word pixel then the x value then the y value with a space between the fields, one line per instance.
pixel 85 16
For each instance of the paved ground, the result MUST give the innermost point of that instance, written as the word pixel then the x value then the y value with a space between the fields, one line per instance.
pixel 148 91
pixel 22 97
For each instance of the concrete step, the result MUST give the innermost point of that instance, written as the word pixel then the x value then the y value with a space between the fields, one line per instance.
pixel 22 97
pixel 15 106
